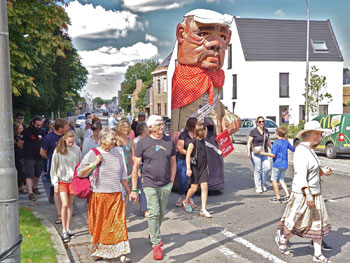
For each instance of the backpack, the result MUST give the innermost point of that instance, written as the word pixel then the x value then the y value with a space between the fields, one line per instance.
pixel 82 186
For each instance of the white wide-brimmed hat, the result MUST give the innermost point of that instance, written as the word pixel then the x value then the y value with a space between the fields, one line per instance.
pixel 312 126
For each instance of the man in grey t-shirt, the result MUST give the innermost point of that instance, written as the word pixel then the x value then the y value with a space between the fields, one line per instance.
pixel 158 155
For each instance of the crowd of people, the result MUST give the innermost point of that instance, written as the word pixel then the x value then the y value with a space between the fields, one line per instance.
pixel 136 160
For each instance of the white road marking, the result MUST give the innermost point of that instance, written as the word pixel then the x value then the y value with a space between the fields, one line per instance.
pixel 224 250
pixel 251 246
pixel 330 200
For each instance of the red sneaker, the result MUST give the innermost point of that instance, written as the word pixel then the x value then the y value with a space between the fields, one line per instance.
pixel 157 253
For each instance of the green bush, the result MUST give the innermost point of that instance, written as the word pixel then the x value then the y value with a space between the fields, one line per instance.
pixel 293 129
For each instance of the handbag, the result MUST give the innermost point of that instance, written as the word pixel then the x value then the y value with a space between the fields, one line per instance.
pixel 82 186
pixel 259 149
pixel 194 159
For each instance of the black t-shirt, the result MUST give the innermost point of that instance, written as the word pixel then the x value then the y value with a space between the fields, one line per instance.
pixel 156 155
pixel 133 127
pixel 18 151
pixel 187 140
pixel 258 138
pixel 32 143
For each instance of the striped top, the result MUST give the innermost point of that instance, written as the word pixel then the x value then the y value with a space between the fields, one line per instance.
pixel 111 170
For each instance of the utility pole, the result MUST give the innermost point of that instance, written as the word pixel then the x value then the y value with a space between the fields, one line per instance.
pixel 9 218
pixel 307 63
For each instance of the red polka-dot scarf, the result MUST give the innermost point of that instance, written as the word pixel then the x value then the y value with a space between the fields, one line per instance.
pixel 191 82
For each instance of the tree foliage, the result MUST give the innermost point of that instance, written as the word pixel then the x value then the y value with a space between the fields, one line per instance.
pixel 141 101
pixel 99 100
pixel 141 70
pixel 317 91
pixel 46 72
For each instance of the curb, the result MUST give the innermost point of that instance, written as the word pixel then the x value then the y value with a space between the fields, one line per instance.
pixel 62 256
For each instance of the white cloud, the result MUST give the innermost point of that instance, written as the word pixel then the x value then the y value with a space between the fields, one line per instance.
pixel 151 38
pixel 107 66
pixel 96 22
pixel 279 12
pixel 152 5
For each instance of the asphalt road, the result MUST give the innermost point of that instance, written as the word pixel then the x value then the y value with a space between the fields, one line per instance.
pixel 245 222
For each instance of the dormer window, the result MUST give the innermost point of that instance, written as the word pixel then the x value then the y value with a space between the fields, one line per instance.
pixel 319 46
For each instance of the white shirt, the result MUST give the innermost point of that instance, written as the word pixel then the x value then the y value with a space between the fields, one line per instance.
pixel 62 165
pixel 112 122
pixel 306 170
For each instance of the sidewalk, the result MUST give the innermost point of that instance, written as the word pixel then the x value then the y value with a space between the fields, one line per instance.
pixel 182 241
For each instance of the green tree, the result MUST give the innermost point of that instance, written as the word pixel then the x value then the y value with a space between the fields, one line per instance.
pixel 141 101
pixel 46 71
pixel 317 91
pixel 34 33
pixel 99 100
pixel 141 70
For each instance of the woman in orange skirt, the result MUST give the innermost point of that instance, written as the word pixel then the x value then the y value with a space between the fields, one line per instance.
pixel 107 222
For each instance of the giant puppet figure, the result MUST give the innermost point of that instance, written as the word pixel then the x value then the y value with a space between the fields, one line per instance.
pixel 202 39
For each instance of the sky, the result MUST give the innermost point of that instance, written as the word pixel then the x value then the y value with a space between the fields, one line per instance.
pixel 111 35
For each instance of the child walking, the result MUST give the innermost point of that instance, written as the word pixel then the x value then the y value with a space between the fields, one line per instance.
pixel 279 152
pixel 65 157
pixel 198 171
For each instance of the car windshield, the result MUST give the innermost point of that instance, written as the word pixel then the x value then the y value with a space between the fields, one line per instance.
pixel 270 124
pixel 81 117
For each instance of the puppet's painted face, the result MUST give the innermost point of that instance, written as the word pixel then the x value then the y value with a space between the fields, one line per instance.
pixel 202 45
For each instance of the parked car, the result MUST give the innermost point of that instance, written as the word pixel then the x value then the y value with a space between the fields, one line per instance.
pixel 80 119
pixel 338 141
pixel 249 124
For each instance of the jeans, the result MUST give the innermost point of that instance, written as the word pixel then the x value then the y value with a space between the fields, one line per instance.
pixel 183 179
pixel 278 174
pixel 157 201
pixel 142 197
pixel 262 168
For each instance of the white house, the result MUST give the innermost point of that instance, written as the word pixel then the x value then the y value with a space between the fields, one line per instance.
pixel 265 67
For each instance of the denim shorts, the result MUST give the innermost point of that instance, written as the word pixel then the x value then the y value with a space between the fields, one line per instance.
pixel 278 174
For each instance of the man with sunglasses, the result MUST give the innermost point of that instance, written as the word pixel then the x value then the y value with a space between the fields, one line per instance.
pixel 33 165
pixel 19 119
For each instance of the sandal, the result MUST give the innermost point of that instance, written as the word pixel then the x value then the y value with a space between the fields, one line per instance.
pixel 321 258
pixel 58 220
pixel 23 191
pixel 283 247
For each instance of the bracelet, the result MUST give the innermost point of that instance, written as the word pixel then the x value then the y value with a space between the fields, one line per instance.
pixel 92 166
pixel 135 190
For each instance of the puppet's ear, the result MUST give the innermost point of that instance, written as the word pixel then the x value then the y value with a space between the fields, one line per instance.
pixel 180 31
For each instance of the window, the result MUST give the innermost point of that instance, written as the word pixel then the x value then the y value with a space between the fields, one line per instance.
pixel 165 85
pixel 284 85
pixel 165 109
pixel 323 109
pixel 158 85
pixel 229 56
pixel 221 94
pixel 247 124
pixel 319 46
pixel 233 106
pixel 159 106
pixel 234 86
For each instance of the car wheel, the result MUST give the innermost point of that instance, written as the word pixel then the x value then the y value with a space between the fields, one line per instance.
pixel 296 143
pixel 330 151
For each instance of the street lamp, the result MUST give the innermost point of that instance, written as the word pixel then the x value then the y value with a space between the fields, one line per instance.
pixel 307 63
pixel 9 218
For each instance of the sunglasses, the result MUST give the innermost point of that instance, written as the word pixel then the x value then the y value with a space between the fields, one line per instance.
pixel 261 121
pixel 22 118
